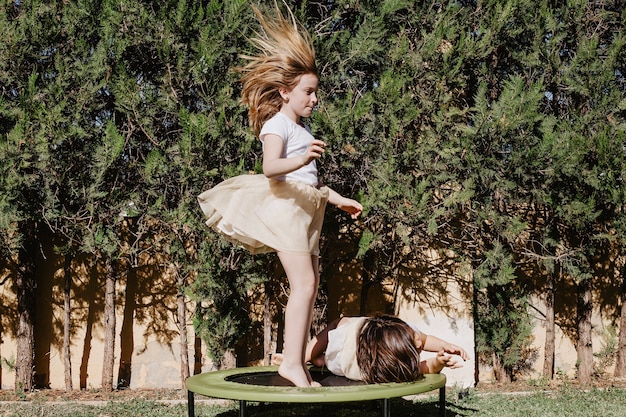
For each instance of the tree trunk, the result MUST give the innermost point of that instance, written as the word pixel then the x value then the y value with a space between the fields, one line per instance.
pixel 229 360
pixel 181 312
pixel 26 287
pixel 620 360
pixel 127 339
pixel 267 325
pixel 499 370
pixel 548 362
pixel 67 322
pixel 93 286
pixel 109 326
pixel 584 346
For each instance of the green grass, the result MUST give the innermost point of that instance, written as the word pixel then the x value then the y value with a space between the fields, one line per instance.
pixel 568 402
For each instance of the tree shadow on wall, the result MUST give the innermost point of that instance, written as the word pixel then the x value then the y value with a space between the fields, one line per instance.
pixel 8 315
pixel 432 279
pixel 605 290
pixel 149 300
pixel 145 295
pixel 266 304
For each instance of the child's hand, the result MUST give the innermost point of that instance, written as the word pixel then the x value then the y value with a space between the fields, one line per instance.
pixel 315 151
pixel 353 207
pixel 443 359
pixel 455 350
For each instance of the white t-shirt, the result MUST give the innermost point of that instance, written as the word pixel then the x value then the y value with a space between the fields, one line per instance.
pixel 340 355
pixel 296 141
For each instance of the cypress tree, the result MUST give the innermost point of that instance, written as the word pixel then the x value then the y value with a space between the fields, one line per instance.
pixel 465 142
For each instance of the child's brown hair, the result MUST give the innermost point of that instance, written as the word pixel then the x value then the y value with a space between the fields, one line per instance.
pixel 386 351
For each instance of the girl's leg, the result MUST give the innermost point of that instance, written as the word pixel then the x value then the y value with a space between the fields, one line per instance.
pixel 315 263
pixel 303 281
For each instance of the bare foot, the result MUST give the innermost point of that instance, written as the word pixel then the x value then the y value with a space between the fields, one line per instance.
pixel 296 376
pixel 277 360
pixel 310 378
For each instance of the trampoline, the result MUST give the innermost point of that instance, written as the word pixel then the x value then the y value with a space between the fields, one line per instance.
pixel 263 384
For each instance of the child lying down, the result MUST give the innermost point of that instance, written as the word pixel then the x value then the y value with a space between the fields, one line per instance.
pixel 379 349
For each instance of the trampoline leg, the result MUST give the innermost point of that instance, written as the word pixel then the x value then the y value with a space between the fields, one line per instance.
pixel 386 407
pixel 242 408
pixel 191 412
pixel 442 401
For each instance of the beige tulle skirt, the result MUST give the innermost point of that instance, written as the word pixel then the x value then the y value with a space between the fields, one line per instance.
pixel 265 215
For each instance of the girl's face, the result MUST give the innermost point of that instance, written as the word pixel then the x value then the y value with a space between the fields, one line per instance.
pixel 300 101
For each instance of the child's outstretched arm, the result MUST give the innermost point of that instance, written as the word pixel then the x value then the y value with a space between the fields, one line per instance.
pixel 432 343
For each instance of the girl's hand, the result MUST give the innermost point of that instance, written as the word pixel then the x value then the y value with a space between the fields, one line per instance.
pixel 455 350
pixel 443 359
pixel 275 165
pixel 315 151
pixel 353 207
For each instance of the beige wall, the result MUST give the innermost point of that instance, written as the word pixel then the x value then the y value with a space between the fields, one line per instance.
pixel 154 364
pixel 140 378
pixel 565 357
pixel 439 305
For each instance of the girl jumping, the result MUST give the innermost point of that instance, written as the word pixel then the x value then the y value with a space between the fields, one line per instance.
pixel 281 210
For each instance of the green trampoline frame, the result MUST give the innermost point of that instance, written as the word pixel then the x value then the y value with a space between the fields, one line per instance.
pixel 216 384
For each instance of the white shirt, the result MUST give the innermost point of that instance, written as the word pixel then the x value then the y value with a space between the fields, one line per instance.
pixel 296 141
pixel 340 355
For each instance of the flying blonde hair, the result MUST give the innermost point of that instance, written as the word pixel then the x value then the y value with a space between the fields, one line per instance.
pixel 286 53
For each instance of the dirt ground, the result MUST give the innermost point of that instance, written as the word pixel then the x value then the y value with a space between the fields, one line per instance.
pixel 180 394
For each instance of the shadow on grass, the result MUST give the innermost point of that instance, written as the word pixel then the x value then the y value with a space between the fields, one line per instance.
pixel 399 407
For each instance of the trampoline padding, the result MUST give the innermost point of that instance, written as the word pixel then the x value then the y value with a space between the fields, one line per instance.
pixel 263 384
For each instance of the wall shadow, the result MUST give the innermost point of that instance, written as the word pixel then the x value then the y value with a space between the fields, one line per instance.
pixel 606 290
pixel 145 295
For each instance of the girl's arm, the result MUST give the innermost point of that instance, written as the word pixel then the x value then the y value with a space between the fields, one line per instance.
pixel 275 165
pixel 350 206
pixel 316 348
pixel 432 343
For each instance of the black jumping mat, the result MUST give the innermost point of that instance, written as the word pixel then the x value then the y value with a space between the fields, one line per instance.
pixel 268 379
